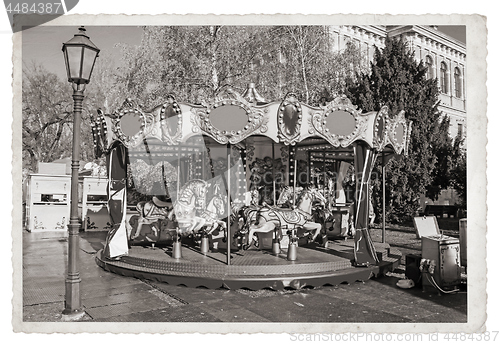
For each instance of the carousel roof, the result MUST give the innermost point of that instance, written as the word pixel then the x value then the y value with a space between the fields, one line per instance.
pixel 232 118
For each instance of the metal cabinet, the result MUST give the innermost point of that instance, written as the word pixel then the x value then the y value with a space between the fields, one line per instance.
pixel 47 202
pixel 445 252
pixel 95 216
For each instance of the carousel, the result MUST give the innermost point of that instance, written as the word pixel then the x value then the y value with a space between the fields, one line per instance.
pixel 241 192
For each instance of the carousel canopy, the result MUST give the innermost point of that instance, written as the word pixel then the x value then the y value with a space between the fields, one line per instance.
pixel 232 118
pixel 166 148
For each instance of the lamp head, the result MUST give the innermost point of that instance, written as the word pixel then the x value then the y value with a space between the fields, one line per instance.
pixel 80 55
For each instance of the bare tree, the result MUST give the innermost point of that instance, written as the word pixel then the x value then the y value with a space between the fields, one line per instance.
pixel 47 117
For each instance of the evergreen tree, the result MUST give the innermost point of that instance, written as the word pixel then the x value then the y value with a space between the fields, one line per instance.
pixel 443 149
pixel 398 81
pixel 458 171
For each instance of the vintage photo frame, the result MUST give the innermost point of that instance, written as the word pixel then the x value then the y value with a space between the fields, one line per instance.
pixel 476 171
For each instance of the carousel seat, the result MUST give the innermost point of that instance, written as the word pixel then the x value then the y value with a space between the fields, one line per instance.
pixel 160 203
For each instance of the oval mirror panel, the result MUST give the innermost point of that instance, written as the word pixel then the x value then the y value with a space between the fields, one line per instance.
pixel 172 119
pixel 229 118
pixel 290 119
pixel 399 133
pixel 340 123
pixel 131 124
pixel 379 128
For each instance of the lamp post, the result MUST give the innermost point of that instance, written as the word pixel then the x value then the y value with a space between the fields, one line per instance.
pixel 80 55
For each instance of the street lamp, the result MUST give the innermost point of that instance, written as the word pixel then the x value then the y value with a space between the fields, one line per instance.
pixel 80 55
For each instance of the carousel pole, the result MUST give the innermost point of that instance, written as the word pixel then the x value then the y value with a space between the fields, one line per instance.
pixel 324 172
pixel 383 197
pixel 274 179
pixel 178 170
pixel 276 243
pixel 294 178
pixel 228 225
pixel 292 245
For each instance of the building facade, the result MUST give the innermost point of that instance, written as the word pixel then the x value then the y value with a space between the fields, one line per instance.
pixel 445 58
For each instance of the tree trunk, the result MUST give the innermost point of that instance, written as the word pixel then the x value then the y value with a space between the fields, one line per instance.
pixel 213 58
pixel 299 40
pixel 304 75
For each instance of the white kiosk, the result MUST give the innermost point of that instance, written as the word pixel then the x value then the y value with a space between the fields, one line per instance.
pixel 47 202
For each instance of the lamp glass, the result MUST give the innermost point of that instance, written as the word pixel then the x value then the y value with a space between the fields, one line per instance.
pixel 89 56
pixel 74 58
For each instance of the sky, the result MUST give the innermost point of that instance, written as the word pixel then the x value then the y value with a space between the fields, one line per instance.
pixel 42 44
pixel 455 31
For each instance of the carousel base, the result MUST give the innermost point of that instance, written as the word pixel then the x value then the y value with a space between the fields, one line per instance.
pixel 252 269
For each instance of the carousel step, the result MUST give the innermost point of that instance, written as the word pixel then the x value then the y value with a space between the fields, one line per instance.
pixel 237 277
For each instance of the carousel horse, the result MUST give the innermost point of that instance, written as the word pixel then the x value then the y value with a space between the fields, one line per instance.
pixel 150 212
pixel 252 197
pixel 286 196
pixel 191 198
pixel 270 218
pixel 212 215
pixel 248 211
pixel 243 216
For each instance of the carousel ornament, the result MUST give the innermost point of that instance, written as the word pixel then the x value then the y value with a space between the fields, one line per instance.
pixel 252 96
pixel 380 130
pixel 340 109
pixel 202 118
pixel 171 121
pixel 99 130
pixel 131 124
pixel 289 120
pixel 398 130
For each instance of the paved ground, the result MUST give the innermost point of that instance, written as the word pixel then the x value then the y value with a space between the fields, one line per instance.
pixel 110 297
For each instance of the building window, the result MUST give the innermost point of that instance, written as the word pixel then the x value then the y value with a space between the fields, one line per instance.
pixel 458 83
pixel 428 63
pixel 444 80
pixel 460 131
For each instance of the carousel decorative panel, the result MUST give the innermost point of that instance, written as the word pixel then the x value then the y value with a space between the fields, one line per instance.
pixel 132 125
pixel 379 130
pixel 398 132
pixel 229 118
pixel 340 123
pixel 289 120
pixel 171 121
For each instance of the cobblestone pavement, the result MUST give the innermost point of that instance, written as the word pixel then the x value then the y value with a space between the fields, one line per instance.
pixel 108 297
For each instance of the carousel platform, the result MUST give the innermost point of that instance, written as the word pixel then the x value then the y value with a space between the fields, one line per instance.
pixel 252 269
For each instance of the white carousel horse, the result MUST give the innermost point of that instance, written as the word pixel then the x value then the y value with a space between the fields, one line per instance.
pixel 270 218
pixel 192 197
